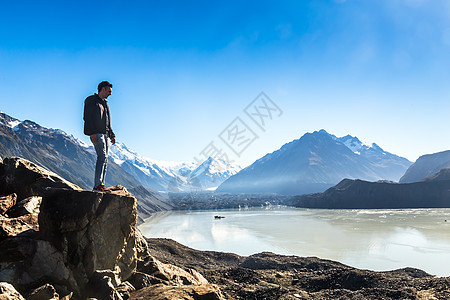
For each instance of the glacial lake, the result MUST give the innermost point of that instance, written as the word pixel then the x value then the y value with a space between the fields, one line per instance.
pixel 378 240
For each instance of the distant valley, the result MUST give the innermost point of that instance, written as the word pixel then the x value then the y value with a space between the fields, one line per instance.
pixel 317 170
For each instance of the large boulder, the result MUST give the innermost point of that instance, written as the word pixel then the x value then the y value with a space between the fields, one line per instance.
pixel 65 240
pixel 26 179
pixel 93 231
pixel 171 274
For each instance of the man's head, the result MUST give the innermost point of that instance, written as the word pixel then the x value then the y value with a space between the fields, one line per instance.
pixel 104 89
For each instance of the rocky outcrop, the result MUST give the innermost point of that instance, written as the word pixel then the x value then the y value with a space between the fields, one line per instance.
pixel 27 179
pixel 57 240
pixel 170 273
pixel 353 194
pixel 93 231
pixel 22 185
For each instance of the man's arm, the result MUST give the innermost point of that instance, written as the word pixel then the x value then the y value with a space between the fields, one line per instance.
pixel 112 136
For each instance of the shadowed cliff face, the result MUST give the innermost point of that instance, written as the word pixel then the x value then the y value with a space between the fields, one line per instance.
pixel 79 231
pixel 93 231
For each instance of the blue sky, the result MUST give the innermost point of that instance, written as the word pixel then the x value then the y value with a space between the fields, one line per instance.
pixel 183 71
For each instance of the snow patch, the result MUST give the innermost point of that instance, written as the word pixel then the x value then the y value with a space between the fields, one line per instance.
pixel 14 124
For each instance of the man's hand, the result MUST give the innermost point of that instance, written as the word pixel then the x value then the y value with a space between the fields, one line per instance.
pixel 113 140
pixel 94 138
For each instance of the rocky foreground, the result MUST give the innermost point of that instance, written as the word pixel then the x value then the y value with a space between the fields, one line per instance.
pixel 60 242
pixel 271 276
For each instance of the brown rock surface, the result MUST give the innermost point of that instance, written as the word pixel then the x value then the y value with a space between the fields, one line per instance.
pixel 102 285
pixel 14 226
pixel 45 292
pixel 6 202
pixel 26 206
pixel 271 276
pixel 26 262
pixel 141 280
pixel 20 176
pixel 170 273
pixel 82 242
pixel 187 292
pixel 8 292
pixel 93 231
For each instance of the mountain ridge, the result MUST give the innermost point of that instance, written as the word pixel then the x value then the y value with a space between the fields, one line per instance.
pixel 425 166
pixel 73 160
pixel 313 163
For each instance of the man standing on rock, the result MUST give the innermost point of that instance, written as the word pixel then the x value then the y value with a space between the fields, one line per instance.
pixel 97 124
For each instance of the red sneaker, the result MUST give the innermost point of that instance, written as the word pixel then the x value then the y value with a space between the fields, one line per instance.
pixel 101 188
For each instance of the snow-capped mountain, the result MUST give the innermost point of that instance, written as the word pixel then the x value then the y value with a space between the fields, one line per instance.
pixel 353 143
pixel 70 158
pixel 394 165
pixel 156 175
pixel 314 163
pixel 55 150
pixel 212 172
pixel 172 176
pixel 8 121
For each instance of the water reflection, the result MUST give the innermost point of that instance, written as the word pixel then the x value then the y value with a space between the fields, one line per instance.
pixel 372 239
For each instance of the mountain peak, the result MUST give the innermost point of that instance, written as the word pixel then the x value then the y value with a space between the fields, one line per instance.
pixel 9 121
pixel 320 134
pixel 315 162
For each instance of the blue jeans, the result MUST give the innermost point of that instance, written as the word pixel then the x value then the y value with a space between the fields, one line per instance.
pixel 101 147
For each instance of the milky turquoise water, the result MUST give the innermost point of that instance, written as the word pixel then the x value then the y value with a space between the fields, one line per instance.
pixel 368 239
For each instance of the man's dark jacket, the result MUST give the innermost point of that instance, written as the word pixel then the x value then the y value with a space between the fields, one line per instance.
pixel 97 118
